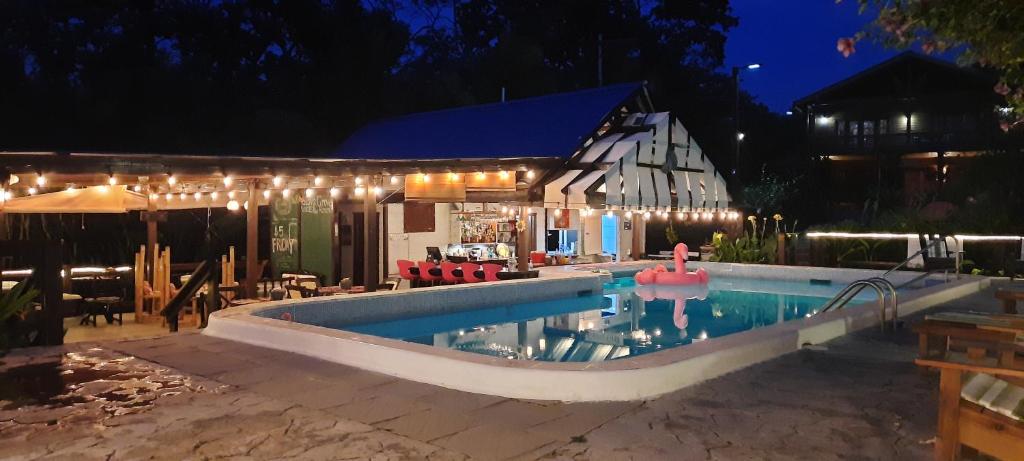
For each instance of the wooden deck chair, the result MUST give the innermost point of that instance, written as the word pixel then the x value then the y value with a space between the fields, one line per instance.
pixel 981 385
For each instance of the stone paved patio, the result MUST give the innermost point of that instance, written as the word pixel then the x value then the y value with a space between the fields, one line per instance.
pixel 857 397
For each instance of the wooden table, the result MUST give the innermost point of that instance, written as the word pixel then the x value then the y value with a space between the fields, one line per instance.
pixel 939 333
pixel 1009 299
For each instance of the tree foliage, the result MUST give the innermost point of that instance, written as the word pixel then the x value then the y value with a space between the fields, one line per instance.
pixel 985 32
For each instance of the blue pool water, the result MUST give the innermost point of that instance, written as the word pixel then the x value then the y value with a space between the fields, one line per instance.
pixel 624 320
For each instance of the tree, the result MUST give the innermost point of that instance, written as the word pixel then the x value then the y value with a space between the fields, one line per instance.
pixel 985 32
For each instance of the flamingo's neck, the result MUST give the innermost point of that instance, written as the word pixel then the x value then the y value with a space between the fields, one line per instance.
pixel 680 258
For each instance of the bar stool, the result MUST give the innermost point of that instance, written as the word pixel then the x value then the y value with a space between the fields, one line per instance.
pixel 404 266
pixel 447 274
pixel 469 272
pixel 425 274
pixel 491 272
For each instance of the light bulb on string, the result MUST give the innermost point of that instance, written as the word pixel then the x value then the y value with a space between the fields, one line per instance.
pixel 277 181
pixel 137 188
pixel 286 193
pixel 377 191
pixel 394 179
pixel 480 175
pixel 231 195
pixel 359 180
pixel 609 213
pixel 172 180
pixel 317 181
pixel 530 174
pixel 182 196
pixel 168 196
pixel 266 194
pixel 232 205
pixel 40 180
pixel 309 193
pixel 228 180
pixel 360 191
pixel 503 175
pixel 197 196
pixel 425 178
pixel 334 192
pixel 112 180
pixel 213 195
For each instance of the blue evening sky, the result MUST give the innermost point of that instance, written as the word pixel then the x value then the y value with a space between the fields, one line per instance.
pixel 795 42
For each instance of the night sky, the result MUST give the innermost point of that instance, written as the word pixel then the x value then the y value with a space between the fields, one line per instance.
pixel 795 42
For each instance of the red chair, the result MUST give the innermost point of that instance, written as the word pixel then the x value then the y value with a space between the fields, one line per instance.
pixel 469 272
pixel 491 272
pixel 538 258
pixel 404 266
pixel 446 272
pixel 425 275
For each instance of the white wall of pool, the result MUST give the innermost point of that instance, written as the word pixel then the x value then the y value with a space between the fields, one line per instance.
pixel 627 378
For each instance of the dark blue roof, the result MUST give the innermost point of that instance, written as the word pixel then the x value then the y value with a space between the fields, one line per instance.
pixel 545 126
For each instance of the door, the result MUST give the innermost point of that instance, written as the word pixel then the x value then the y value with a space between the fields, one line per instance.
pixel 609 234
pixel 358 244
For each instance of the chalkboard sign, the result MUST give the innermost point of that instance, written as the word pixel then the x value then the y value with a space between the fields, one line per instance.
pixel 284 235
pixel 316 241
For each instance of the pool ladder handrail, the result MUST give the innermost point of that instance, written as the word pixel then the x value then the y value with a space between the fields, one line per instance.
pixel 887 295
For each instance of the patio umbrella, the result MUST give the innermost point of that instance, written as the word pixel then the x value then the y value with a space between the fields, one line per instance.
pixel 96 199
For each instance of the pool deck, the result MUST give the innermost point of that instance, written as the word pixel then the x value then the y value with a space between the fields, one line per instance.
pixel 857 396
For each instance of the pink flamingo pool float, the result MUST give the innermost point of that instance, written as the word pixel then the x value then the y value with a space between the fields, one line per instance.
pixel 661 276
pixel 678 293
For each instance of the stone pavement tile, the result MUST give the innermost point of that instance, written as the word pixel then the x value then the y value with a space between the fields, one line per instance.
pixel 515 414
pixel 247 376
pixel 325 396
pixel 429 424
pixel 401 388
pixel 460 402
pixel 491 442
pixel 582 418
pixel 287 386
pixel 378 409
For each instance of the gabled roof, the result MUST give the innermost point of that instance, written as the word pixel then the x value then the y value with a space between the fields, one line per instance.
pixel 553 125
pixel 893 77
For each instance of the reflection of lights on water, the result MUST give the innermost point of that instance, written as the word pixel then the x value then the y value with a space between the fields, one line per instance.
pixel 462 332
pixel 529 351
pixel 702 336
pixel 657 332
pixel 590 325
pixel 717 313
pixel 542 343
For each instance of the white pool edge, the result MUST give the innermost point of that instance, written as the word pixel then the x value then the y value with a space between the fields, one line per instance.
pixel 634 378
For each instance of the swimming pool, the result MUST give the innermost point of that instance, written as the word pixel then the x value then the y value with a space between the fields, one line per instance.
pixel 618 322
pixel 574 335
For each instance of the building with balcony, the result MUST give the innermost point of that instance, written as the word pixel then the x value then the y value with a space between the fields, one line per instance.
pixel 901 130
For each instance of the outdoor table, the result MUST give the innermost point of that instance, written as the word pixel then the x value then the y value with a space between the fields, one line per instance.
pixel 941 331
pixel 100 306
pixel 1009 299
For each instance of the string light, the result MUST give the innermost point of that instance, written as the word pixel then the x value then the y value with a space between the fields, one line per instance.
pixel 197 196
pixel 360 191
pixel 137 188
pixel 647 215
pixel 213 195
pixel 309 192
pixel 480 175
pixel 426 178
pixel 32 191
pixel 317 181
pixel 394 179
pixel 168 196
pixel 266 194
pixel 228 180
pixel 359 180
pixel 334 192
pixel 503 175
pixel 277 181
pixel 182 196
pixel 8 195
pixel 154 196
pixel 530 174
pixel 377 190
pixel 245 204
pixel 453 176
pixel 40 180
pixel 112 180
pixel 504 209
pixel 286 193
pixel 172 180
pixel 558 212
pixel 233 205
pixel 231 195
pixel 609 213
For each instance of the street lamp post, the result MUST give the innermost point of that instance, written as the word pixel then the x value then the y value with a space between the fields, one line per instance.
pixel 737 135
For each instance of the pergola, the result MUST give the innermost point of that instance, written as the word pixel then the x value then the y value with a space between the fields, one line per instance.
pixel 175 182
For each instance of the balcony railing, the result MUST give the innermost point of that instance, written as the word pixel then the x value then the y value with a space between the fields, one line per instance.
pixel 903 142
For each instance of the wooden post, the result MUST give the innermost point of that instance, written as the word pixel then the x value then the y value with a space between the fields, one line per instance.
pixel 638 227
pixel 52 330
pixel 371 260
pixel 947 445
pixel 140 279
pixel 252 217
pixel 522 241
pixel 780 249
pixel 151 243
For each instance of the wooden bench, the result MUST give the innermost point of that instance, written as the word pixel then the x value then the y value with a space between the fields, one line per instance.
pixel 1009 299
